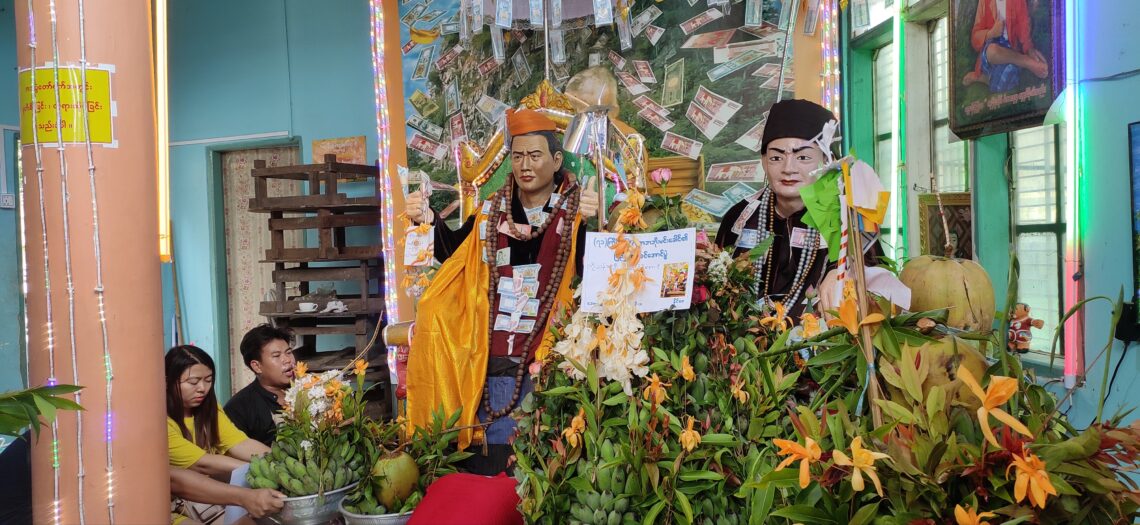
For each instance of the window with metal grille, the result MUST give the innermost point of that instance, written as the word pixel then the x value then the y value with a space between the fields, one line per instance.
pixel 1038 215
pixel 948 155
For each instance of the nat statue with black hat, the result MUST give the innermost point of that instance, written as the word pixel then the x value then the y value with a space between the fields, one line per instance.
pixel 796 142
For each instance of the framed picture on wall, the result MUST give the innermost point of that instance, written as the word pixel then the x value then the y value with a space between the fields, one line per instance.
pixel 1006 69
pixel 959 224
pixel 1134 172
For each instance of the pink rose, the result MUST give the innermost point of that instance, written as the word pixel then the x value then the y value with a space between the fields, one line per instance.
pixel 535 368
pixel 661 176
pixel 700 294
pixel 702 239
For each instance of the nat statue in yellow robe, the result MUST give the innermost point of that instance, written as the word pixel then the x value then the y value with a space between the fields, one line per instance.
pixel 506 270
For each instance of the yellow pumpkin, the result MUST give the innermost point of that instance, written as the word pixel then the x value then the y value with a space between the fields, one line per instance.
pixel 961 285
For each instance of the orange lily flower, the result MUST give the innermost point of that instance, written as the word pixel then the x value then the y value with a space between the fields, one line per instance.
pixel 300 370
pixel 359 367
pixel 687 369
pixel 615 276
pixel 635 198
pixel 778 321
pixel 630 216
pixel 810 324
pixel 739 392
pixel 1000 390
pixel 1032 479
pixel 573 433
pixel 332 388
pixel 690 438
pixel 423 228
pixel 849 317
pixel 806 454
pixel 655 391
pixel 862 461
pixel 971 516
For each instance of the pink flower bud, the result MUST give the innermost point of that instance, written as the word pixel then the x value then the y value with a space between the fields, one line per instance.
pixel 702 239
pixel 661 176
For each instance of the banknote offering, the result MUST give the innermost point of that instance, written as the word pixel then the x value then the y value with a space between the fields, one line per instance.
pixel 734 65
pixel 673 88
pixel 737 192
pixel 603 12
pixel 617 59
pixel 743 171
pixel 753 13
pixel 449 28
pixel 487 66
pixel 681 145
pixel 413 14
pixel 770 69
pixel 427 146
pixel 431 15
pixel 458 128
pixel 498 49
pixel 631 83
pixel 718 106
pixel 644 102
pixel 448 57
pixel 771 83
pixel 728 52
pixel 491 109
pixel 451 100
pixel 694 23
pixel 653 33
pixel 710 39
pixel 658 121
pixel 426 106
pixel 503 13
pixel 708 125
pixel 408 46
pixel 644 18
pixel 522 67
pixel 714 205
pixel 557 47
pixel 625 36
pixel 425 127
pixel 644 71
pixel 751 138
pixel 555 13
pixel 423 64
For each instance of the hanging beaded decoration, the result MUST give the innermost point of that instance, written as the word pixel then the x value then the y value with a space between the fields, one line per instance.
pixel 763 265
pixel 501 211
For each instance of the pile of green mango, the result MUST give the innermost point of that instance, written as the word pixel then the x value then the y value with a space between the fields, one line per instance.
pixel 302 471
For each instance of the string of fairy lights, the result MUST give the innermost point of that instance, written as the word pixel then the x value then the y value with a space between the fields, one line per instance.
pixel 49 334
pixel 99 288
pixel 108 373
pixel 387 233
pixel 829 47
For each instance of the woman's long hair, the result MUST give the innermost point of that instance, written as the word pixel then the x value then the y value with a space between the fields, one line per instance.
pixel 178 359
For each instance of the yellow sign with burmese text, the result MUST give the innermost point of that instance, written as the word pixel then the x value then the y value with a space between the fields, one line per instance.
pixel 65 121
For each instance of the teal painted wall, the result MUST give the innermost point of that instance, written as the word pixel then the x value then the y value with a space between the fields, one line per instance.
pixel 12 358
pixel 1109 45
pixel 252 67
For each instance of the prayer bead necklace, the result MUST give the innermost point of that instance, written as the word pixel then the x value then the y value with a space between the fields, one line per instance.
pixel 549 292
pixel 765 264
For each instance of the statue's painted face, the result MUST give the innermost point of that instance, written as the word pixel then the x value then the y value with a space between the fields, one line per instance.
pixel 532 164
pixel 788 164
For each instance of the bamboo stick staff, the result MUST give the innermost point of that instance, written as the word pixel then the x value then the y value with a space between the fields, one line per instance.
pixel 855 259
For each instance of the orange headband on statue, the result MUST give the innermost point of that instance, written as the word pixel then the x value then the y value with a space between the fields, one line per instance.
pixel 523 121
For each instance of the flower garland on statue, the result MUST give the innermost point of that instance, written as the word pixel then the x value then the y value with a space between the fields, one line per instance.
pixel 611 339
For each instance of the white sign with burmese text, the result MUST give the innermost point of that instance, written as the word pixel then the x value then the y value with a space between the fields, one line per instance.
pixel 667 258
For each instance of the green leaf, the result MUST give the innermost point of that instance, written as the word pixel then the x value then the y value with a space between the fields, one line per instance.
pixel 833 355
pixel 804 514
pixel 686 508
pixel 616 399
pixel 651 516
pixel 696 475
pixel 47 410
pixel 865 514
pixel 896 411
pixel 718 440
pixel 559 391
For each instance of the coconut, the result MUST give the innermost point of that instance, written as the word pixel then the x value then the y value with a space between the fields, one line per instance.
pixel 945 356
pixel 961 285
pixel 394 478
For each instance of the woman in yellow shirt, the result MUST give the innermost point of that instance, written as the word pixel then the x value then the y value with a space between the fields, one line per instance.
pixel 202 439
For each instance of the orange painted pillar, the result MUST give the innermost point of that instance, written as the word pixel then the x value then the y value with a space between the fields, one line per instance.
pixel 112 459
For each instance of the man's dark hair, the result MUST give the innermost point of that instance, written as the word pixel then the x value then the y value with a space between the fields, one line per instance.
pixel 256 339
pixel 555 146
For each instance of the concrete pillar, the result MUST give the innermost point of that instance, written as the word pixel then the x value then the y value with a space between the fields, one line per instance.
pixel 134 487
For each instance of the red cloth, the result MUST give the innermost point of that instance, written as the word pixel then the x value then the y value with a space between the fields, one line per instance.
pixel 469 499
